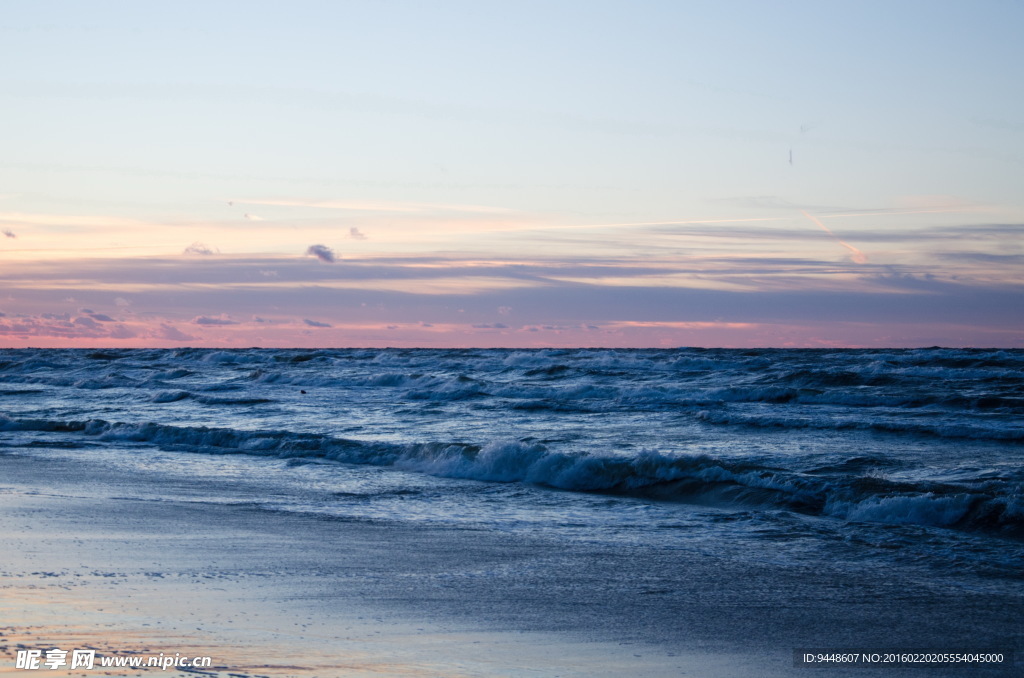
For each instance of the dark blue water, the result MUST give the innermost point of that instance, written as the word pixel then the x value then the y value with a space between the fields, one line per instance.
pixel 901 458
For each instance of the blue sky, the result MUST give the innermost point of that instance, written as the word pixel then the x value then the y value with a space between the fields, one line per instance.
pixel 512 173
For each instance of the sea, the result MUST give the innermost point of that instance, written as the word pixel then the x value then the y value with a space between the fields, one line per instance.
pixel 897 459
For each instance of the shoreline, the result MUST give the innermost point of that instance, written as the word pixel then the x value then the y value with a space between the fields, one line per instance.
pixel 269 593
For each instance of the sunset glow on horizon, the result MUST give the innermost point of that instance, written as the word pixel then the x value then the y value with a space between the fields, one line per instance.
pixel 455 175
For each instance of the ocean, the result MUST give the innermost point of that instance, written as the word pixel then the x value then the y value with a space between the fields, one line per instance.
pixel 906 459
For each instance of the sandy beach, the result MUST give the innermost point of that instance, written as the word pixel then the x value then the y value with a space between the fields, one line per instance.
pixel 89 564
pixel 274 594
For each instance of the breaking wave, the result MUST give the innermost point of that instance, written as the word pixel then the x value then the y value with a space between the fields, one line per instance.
pixel 852 491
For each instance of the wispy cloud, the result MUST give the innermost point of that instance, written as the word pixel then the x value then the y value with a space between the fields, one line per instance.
pixel 371 206
pixel 169 332
pixel 48 329
pixel 69 220
pixel 699 283
pixel 199 248
pixel 356 234
pixel 206 320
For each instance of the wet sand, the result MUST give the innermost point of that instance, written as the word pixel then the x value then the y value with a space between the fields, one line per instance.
pixel 263 593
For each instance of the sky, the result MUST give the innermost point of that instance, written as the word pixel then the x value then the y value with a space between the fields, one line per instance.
pixel 511 174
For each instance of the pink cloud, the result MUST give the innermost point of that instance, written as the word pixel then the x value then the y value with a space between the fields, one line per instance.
pixel 170 333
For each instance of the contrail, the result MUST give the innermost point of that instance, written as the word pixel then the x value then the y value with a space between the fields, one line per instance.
pixel 857 255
